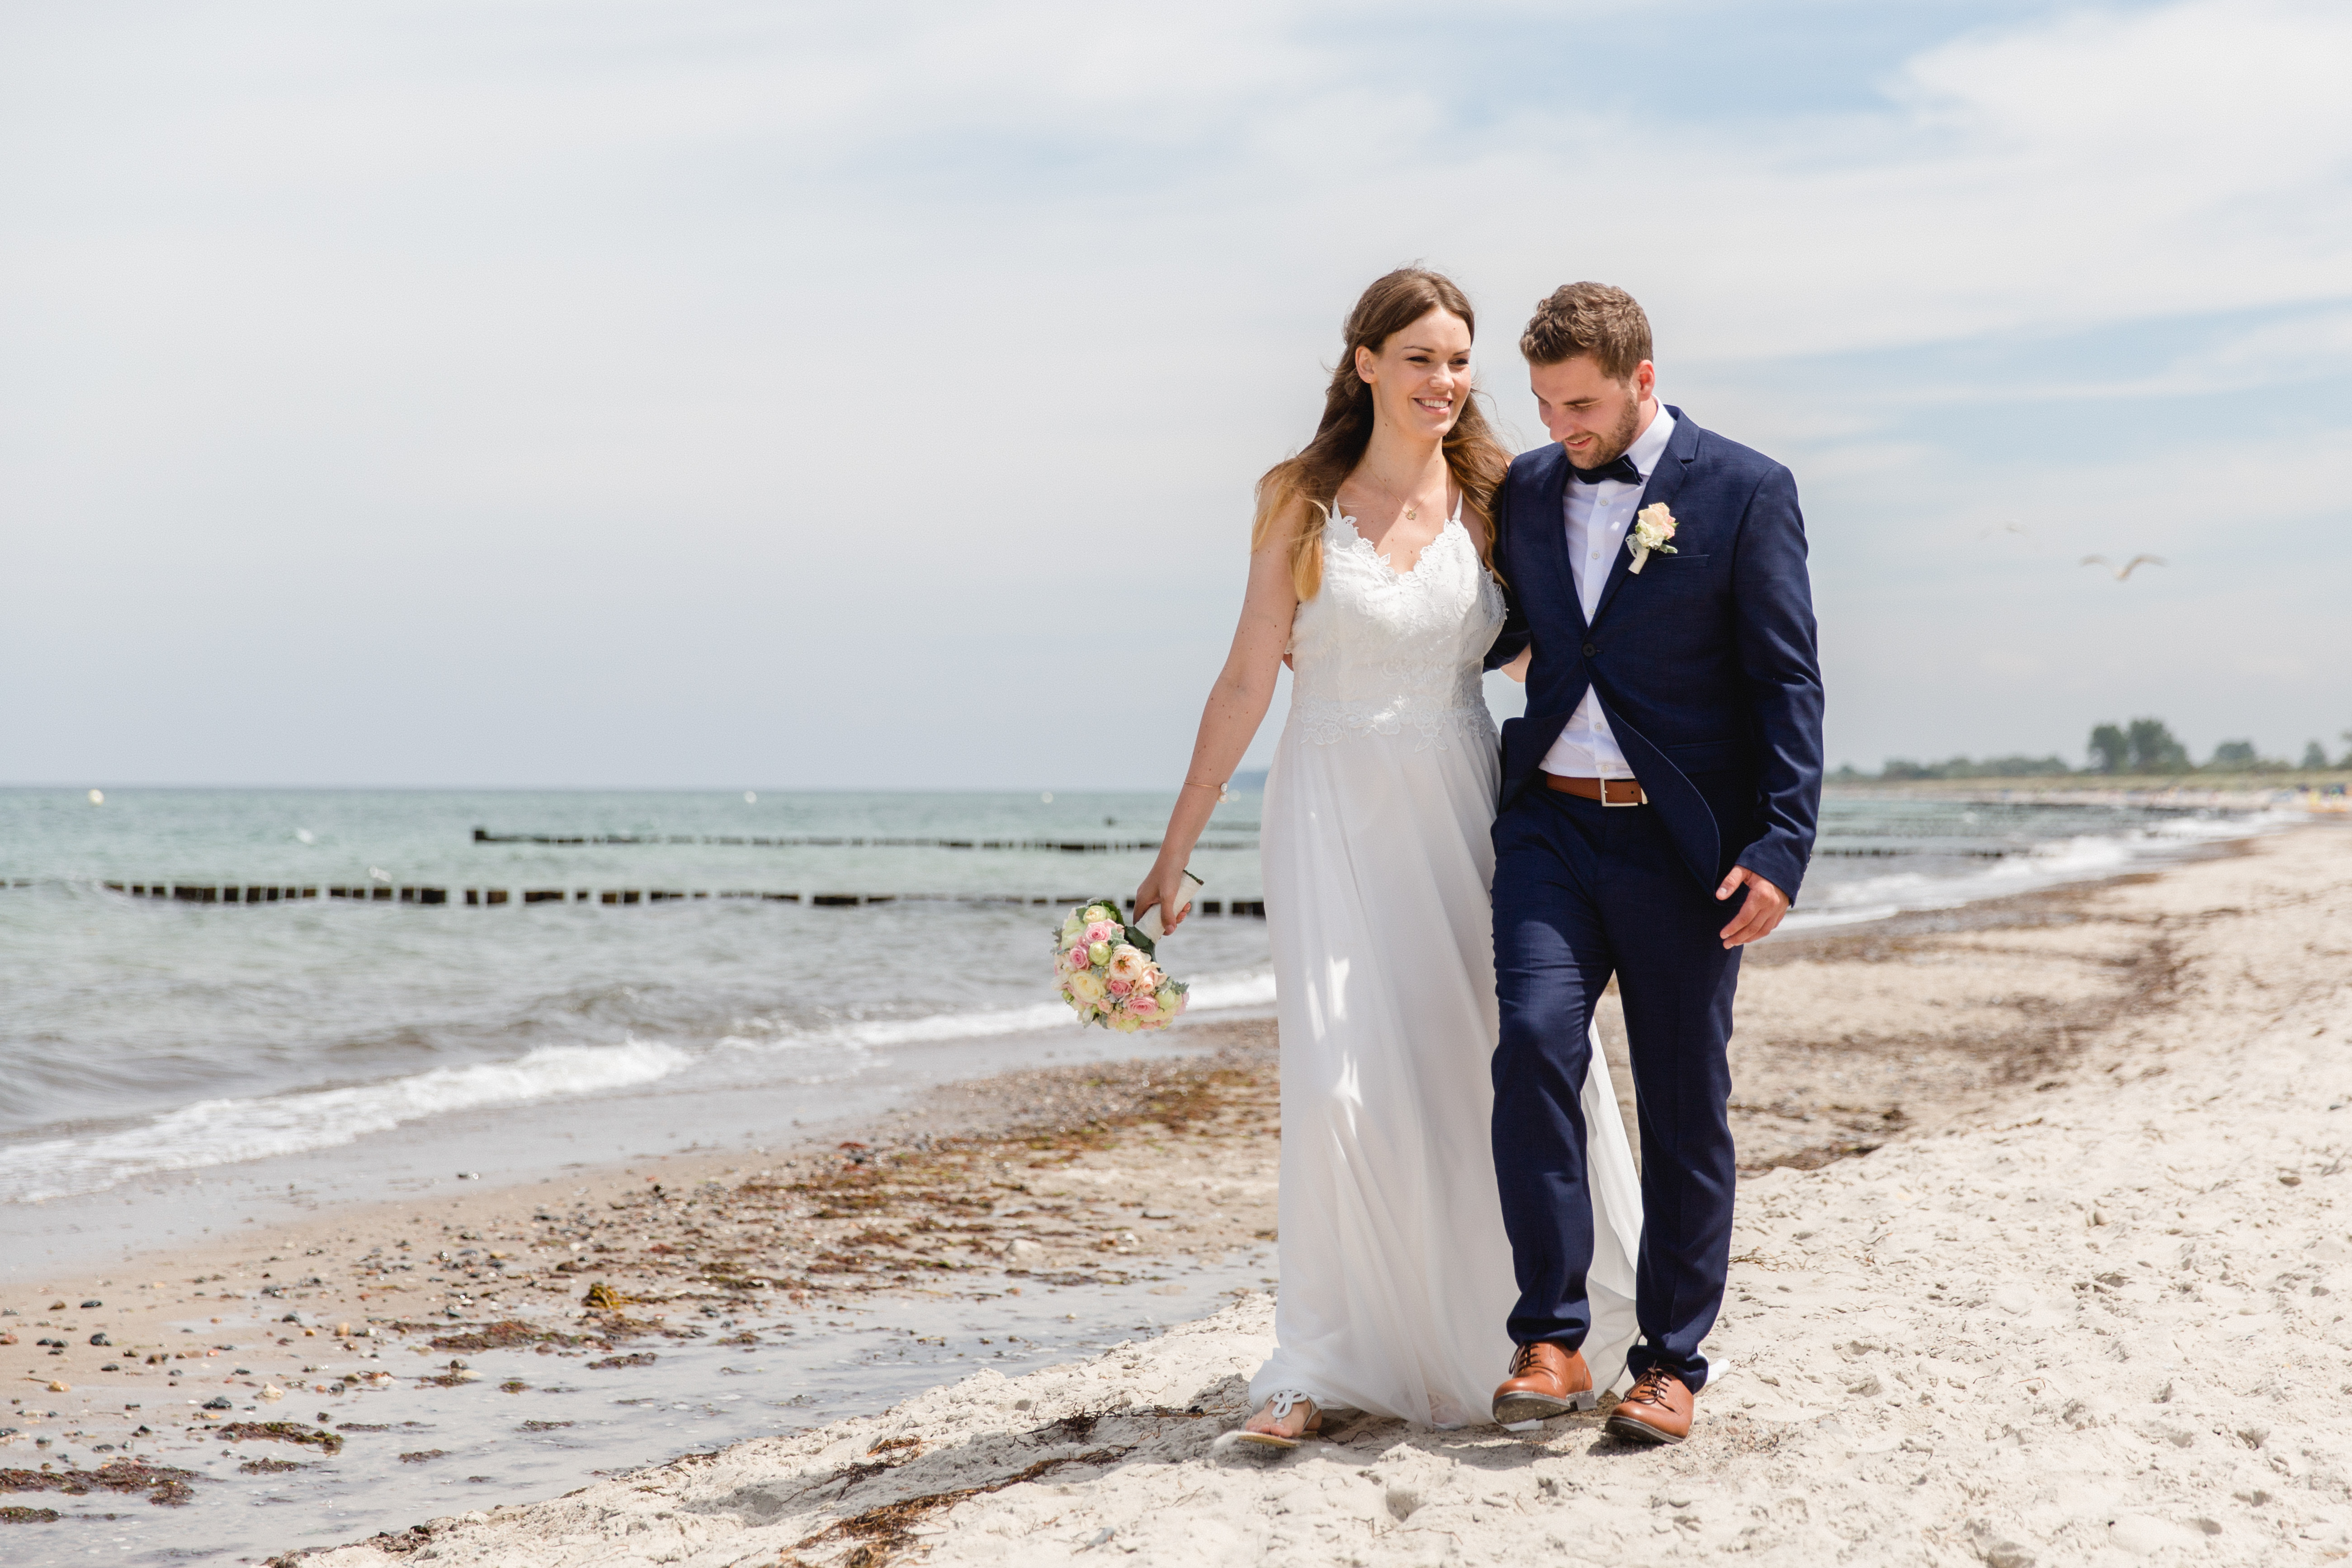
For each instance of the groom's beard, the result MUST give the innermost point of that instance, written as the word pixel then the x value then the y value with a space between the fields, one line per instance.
pixel 1618 441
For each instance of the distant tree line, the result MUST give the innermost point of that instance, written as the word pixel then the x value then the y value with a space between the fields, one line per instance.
pixel 2143 746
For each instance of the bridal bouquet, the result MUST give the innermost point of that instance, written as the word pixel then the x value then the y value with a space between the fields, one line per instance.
pixel 1106 973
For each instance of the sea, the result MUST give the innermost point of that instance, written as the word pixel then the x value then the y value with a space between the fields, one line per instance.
pixel 342 994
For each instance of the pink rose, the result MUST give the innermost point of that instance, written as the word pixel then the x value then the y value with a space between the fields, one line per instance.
pixel 1129 963
pixel 1075 959
pixel 1143 1004
pixel 1105 930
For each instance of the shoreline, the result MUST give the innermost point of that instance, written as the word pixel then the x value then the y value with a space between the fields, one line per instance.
pixel 1850 1039
pixel 2229 791
pixel 501 1147
pixel 608 1100
pixel 650 1286
pixel 1081 1103
pixel 2094 1319
pixel 1042 1100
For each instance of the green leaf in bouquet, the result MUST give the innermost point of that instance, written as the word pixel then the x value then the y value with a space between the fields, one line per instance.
pixel 1134 934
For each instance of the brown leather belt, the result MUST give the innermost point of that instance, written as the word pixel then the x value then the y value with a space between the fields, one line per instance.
pixel 1607 792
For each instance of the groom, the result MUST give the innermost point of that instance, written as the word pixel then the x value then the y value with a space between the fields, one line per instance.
pixel 1658 803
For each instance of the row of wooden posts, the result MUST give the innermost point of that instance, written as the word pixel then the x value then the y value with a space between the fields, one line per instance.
pixel 1063 846
pixel 389 893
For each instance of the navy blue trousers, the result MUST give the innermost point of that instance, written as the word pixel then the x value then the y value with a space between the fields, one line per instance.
pixel 1584 891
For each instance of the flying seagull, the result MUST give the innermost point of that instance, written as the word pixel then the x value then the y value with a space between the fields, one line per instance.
pixel 2125 570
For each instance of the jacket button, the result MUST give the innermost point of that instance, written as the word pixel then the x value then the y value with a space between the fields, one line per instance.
pixel 1590 650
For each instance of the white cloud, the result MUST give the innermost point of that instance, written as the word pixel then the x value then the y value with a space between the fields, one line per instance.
pixel 2098 169
pixel 893 342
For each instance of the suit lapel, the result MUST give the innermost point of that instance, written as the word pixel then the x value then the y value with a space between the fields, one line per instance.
pixel 1664 483
pixel 1549 540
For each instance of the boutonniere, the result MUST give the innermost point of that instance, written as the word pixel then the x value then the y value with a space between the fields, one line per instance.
pixel 1652 526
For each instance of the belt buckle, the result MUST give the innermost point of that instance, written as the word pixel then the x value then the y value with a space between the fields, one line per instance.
pixel 1640 796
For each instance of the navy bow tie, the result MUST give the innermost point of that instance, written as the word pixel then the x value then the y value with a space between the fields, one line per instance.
pixel 1620 468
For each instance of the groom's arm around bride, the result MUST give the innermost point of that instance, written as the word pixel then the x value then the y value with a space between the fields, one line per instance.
pixel 1665 775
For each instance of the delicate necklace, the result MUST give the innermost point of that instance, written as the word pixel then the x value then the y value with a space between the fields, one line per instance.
pixel 1411 512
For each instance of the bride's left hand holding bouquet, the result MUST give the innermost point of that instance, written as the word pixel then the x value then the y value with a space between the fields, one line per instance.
pixel 1107 974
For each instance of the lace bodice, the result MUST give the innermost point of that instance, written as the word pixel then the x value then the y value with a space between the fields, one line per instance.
pixel 1378 652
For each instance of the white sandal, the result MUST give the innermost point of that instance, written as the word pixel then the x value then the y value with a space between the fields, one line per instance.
pixel 1282 1403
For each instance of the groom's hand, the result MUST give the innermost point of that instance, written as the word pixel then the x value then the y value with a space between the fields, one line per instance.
pixel 1760 915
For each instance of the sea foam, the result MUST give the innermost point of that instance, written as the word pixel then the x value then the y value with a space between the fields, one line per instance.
pixel 223 1132
pixel 1210 992
pixel 2053 863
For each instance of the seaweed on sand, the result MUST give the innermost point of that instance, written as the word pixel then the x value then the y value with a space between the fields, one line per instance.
pixel 164 1487
pixel 505 1334
pixel 318 1437
pixel 885 1532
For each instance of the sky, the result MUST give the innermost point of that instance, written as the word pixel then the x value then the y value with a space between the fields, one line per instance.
pixel 700 394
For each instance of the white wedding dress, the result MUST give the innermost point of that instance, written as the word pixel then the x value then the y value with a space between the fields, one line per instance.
pixel 1396 1275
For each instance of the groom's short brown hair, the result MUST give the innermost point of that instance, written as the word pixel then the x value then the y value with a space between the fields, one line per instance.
pixel 1589 319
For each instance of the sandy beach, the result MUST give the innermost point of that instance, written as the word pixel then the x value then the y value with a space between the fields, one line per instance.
pixel 2034 1263
pixel 591 588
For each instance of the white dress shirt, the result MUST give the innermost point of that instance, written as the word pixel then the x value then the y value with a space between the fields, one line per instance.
pixel 1598 517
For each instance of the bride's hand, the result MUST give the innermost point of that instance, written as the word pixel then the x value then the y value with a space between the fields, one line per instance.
pixel 1164 888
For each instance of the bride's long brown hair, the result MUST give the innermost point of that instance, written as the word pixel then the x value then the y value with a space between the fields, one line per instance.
pixel 1291 494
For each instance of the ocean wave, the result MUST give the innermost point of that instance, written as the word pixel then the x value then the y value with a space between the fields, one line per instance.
pixel 2083 858
pixel 874 1032
pixel 1210 992
pixel 1241 988
pixel 225 1132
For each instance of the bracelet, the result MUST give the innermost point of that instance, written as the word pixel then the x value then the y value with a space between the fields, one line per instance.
pixel 1224 791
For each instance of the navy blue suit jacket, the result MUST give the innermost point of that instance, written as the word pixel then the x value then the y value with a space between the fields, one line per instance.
pixel 1705 661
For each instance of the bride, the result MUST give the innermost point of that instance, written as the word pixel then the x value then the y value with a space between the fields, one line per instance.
pixel 1370 572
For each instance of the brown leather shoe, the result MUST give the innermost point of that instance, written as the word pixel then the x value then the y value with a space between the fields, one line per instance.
pixel 1546 1379
pixel 1657 1409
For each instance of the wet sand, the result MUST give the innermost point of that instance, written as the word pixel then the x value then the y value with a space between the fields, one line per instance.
pixel 1019 1217
pixel 976 1186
